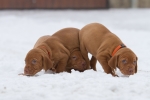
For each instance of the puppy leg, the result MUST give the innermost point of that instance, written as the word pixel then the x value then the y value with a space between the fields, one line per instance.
pixel 68 70
pixel 93 63
pixel 61 66
pixel 85 54
pixel 103 60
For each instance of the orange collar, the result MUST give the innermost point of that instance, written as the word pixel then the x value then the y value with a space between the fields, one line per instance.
pixel 117 48
pixel 42 46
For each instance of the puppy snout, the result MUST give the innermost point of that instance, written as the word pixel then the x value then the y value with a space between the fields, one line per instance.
pixel 26 71
pixel 84 64
pixel 131 70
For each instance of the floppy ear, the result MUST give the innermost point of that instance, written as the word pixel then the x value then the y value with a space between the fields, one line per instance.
pixel 136 65
pixel 113 62
pixel 46 62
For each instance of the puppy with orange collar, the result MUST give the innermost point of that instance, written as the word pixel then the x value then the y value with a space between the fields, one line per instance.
pixel 108 49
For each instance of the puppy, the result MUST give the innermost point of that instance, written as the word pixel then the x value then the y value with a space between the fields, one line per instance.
pixel 37 59
pixel 59 52
pixel 76 62
pixel 108 49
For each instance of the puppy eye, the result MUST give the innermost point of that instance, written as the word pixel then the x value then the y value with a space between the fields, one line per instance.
pixel 134 62
pixel 34 61
pixel 124 61
pixel 74 57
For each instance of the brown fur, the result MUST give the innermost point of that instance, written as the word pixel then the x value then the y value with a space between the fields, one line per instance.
pixel 41 40
pixel 59 52
pixel 100 42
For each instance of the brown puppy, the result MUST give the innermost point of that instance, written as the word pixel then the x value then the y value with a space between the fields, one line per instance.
pixel 37 59
pixel 107 48
pixel 53 52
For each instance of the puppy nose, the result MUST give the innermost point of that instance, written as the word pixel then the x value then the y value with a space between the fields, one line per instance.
pixel 26 70
pixel 83 64
pixel 130 70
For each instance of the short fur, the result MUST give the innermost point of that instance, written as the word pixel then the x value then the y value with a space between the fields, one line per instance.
pixel 100 42
pixel 59 52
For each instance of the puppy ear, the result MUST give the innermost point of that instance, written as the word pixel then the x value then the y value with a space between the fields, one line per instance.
pixel 113 62
pixel 47 62
pixel 136 65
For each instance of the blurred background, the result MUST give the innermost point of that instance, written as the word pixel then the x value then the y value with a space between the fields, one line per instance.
pixel 73 4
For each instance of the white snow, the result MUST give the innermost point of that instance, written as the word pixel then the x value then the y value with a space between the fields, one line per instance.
pixel 20 29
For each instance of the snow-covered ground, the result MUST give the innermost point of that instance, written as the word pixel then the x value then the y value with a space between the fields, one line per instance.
pixel 19 30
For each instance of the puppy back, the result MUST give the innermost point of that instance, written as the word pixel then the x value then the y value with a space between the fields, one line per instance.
pixel 41 40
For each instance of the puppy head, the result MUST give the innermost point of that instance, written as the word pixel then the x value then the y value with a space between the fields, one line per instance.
pixel 77 62
pixel 125 60
pixel 35 61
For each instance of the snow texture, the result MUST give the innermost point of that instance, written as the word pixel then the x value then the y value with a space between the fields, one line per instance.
pixel 19 30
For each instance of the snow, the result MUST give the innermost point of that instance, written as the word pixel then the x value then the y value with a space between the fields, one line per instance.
pixel 19 30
